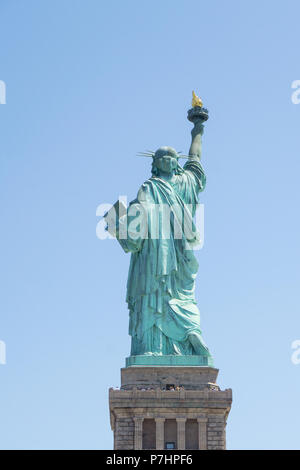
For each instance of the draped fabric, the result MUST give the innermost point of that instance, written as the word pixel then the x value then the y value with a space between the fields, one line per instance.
pixel 163 267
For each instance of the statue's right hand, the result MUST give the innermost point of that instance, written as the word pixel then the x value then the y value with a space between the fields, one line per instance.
pixel 198 128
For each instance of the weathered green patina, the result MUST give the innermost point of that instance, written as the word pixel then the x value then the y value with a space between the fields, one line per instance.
pixel 164 321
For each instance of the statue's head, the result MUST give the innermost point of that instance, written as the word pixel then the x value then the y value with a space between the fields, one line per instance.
pixel 166 160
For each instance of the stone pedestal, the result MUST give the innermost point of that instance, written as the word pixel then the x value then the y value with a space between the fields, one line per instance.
pixel 169 407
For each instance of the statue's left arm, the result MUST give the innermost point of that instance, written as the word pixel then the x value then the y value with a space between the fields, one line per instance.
pixel 193 165
pixel 134 224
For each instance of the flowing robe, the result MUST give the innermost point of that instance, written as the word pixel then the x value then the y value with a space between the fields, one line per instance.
pixel 163 267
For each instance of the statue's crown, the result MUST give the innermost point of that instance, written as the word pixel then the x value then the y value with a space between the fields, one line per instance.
pixel 162 152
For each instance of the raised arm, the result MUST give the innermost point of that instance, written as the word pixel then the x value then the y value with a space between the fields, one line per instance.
pixel 196 145
pixel 193 166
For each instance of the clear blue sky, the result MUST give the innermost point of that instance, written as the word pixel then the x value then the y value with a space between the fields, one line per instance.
pixel 89 84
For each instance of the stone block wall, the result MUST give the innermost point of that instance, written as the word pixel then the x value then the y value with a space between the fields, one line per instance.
pixel 124 434
pixel 216 432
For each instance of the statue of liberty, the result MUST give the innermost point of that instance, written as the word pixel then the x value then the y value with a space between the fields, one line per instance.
pixel 164 320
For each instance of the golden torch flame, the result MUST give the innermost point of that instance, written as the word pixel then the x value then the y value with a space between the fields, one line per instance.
pixel 196 101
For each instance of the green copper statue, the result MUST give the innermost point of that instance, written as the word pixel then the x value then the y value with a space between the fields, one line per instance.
pixel 164 321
